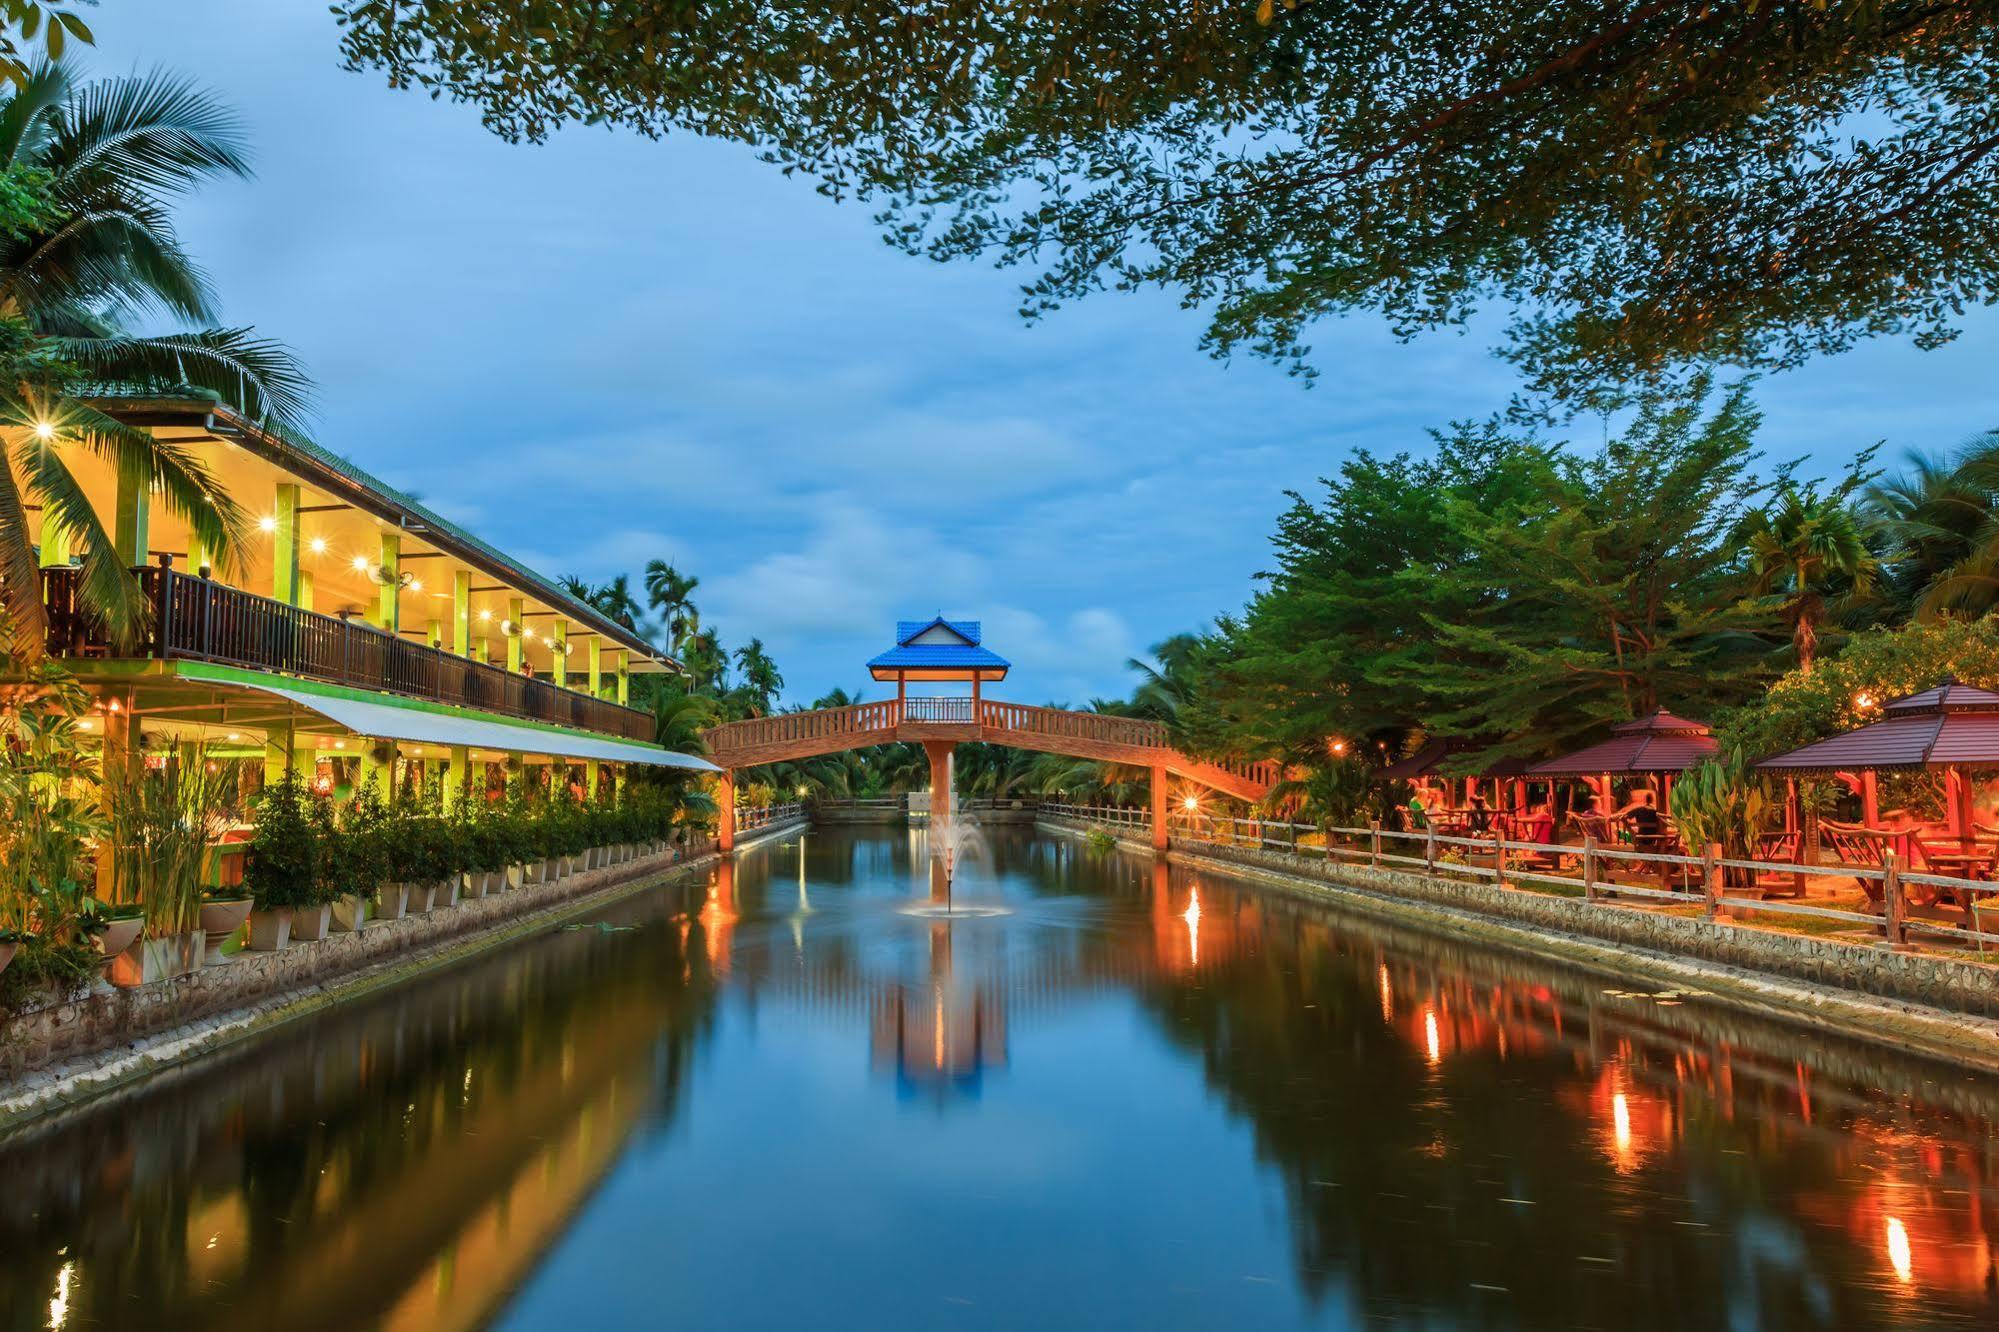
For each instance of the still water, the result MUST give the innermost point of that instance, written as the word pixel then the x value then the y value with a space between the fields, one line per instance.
pixel 1113 1097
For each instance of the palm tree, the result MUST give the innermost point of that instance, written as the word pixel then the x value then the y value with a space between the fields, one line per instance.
pixel 707 664
pixel 1808 543
pixel 1940 524
pixel 613 600
pixel 669 592
pixel 761 679
pixel 99 247
pixel 680 722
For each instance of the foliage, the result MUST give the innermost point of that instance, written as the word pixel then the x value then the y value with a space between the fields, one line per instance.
pixel 1332 792
pixel 1100 839
pixel 161 826
pixel 1844 691
pixel 97 248
pixel 1811 543
pixel 25 21
pixel 288 866
pixel 1938 526
pixel 1720 803
pixel 1670 184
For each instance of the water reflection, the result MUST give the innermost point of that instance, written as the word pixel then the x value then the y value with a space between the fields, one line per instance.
pixel 1457 1137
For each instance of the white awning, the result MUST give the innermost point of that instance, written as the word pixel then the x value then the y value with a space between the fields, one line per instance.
pixel 422 726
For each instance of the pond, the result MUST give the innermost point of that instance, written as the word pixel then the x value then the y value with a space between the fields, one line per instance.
pixel 1088 1092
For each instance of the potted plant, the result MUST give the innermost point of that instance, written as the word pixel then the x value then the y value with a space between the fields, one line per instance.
pixel 282 872
pixel 1719 803
pixel 116 926
pixel 160 829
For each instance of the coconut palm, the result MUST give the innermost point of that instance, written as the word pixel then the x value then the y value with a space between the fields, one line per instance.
pixel 1940 522
pixel 761 678
pixel 680 722
pixel 1808 544
pixel 669 592
pixel 99 248
pixel 613 600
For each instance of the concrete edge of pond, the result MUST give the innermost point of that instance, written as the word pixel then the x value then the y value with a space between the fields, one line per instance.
pixel 1908 1026
pixel 42 1100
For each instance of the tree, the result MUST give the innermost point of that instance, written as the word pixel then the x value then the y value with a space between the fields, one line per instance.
pixel 106 160
pixel 23 21
pixel 1810 542
pixel 1939 525
pixel 1659 184
pixel 669 592
pixel 761 678
pixel 613 600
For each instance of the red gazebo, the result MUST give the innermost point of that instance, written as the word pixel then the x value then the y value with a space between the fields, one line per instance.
pixel 1953 727
pixel 1659 746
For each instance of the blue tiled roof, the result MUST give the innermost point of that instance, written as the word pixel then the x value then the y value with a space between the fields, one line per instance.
pixel 908 629
pixel 968 655
pixel 939 656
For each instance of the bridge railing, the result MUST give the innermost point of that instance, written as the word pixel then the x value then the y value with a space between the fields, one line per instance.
pixel 749 817
pixel 785 727
pixel 1068 725
pixel 957 710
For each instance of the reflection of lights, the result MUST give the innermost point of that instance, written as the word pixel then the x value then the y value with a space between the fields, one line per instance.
pixel 59 1306
pixel 1387 995
pixel 1620 1122
pixel 1432 1043
pixel 1898 1249
pixel 1192 915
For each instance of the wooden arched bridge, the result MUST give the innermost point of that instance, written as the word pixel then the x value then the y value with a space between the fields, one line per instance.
pixel 952 650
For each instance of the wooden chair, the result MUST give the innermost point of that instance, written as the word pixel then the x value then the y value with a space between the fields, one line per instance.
pixel 1777 847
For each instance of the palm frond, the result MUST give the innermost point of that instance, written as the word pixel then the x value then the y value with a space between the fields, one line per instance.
pixel 260 376
pixel 108 587
pixel 158 132
pixel 183 482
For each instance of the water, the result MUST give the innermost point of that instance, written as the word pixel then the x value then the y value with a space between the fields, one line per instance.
pixel 1118 1097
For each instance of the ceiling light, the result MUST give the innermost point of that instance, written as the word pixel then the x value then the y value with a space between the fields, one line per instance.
pixel 319 545
pixel 360 564
pixel 44 431
pixel 267 524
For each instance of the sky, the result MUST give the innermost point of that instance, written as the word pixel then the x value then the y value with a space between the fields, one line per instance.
pixel 605 350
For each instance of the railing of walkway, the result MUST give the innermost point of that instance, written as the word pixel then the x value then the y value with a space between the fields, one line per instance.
pixel 752 817
pixel 1901 902
pixel 1110 816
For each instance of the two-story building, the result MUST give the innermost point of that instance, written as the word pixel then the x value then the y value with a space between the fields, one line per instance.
pixel 357 628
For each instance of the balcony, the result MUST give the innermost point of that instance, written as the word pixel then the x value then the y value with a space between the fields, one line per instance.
pixel 197 619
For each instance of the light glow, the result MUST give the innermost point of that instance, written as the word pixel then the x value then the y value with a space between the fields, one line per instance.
pixel 416 584
pixel 1433 1045
pixel 1192 915
pixel 360 564
pixel 45 432
pixel 1620 1124
pixel 1191 802
pixel 1899 1255
pixel 59 1306
pixel 318 545
pixel 267 524
pixel 485 616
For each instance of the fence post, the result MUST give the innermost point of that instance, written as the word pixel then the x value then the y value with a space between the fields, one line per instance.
pixel 1374 843
pixel 1589 867
pixel 1711 878
pixel 1430 847
pixel 1498 859
pixel 1894 909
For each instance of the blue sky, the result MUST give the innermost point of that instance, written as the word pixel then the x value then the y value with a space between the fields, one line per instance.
pixel 603 350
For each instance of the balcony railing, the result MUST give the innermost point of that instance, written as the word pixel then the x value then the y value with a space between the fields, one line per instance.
pixel 198 619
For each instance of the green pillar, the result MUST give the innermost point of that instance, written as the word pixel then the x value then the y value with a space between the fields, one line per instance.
pixel 131 528
pixel 389 605
pixel 284 546
pixel 590 779
pixel 305 590
pixel 596 651
pixel 437 633
pixel 482 649
pixel 624 677
pixel 456 771
pixel 558 647
pixel 517 607
pixel 461 612
pixel 55 541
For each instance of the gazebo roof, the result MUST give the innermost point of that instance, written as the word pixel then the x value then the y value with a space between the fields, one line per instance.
pixel 1661 742
pixel 1952 725
pixel 939 649
pixel 1430 759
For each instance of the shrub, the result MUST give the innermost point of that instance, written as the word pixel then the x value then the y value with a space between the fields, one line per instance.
pixel 284 861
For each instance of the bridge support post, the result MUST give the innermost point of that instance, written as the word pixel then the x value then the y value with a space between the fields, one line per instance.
pixel 725 812
pixel 939 753
pixel 1159 839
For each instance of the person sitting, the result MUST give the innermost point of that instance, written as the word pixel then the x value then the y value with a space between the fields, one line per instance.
pixel 1419 817
pixel 1481 813
pixel 1648 825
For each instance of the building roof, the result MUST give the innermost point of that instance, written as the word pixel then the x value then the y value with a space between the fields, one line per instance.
pixel 1661 742
pixel 1952 725
pixel 939 649
pixel 289 449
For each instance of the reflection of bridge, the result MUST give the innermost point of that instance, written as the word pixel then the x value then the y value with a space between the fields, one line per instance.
pixel 951 650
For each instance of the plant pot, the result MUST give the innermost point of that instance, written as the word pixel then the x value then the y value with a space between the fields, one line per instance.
pixel 551 869
pixel 349 912
pixel 516 876
pixel 270 931
pixel 419 900
pixel 118 935
pixel 392 901
pixel 220 920
pixel 150 960
pixel 472 885
pixel 444 893
pixel 311 924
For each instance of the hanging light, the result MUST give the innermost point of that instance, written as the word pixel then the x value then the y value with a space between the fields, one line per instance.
pixel 267 524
